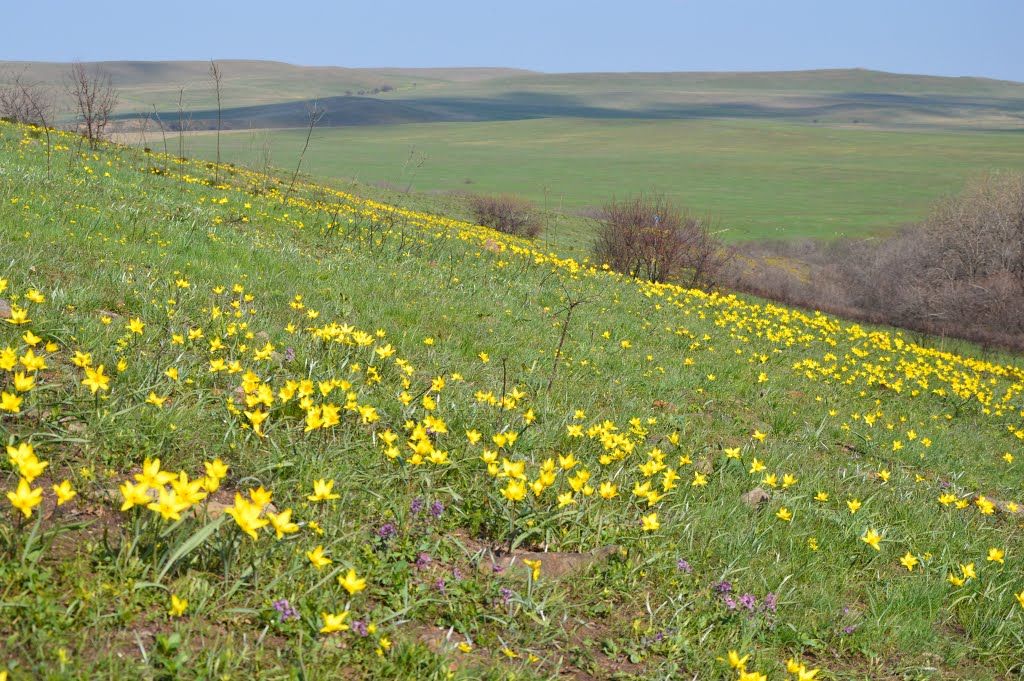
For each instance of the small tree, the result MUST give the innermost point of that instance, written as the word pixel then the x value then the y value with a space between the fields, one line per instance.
pixel 508 214
pixel 94 98
pixel 28 103
pixel 649 237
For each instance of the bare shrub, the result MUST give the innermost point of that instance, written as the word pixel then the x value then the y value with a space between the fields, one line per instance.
pixel 22 101
pixel 648 237
pixel 959 273
pixel 94 98
pixel 506 213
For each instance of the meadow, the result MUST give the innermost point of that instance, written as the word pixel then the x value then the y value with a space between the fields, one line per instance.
pixel 762 179
pixel 257 430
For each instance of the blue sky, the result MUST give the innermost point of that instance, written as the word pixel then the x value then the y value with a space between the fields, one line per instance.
pixel 942 37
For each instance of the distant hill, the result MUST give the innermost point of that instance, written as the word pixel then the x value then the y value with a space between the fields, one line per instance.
pixel 263 94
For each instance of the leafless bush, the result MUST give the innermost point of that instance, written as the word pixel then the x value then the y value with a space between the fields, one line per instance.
pixel 94 98
pixel 505 213
pixel 959 273
pixel 26 102
pixel 648 237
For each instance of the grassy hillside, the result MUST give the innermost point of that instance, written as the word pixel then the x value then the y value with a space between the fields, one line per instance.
pixel 343 391
pixel 765 180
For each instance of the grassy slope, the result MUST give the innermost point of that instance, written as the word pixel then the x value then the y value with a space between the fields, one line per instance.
pixel 654 370
pixel 765 180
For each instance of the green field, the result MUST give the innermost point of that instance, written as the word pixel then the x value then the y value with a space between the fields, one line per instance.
pixel 359 412
pixel 764 179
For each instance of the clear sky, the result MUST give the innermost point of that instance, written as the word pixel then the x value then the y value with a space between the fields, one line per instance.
pixel 941 37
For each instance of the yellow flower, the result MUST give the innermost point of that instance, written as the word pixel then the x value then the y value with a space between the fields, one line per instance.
pixel 134 495
pixel 996 555
pixel 10 402
pixel 785 514
pixel 821 496
pixel 872 538
pixel 351 583
pixel 650 522
pixel 853 505
pixel 909 561
pixel 178 606
pixel 282 523
pixel 25 498
pixel 152 476
pixel 515 490
pixel 322 491
pixel 23 383
pixel 759 436
pixel 95 379
pixel 260 497
pixel 317 557
pixel 535 565
pixel 155 400
pixel 1020 598
pixel 216 469
pixel 608 491
pixel 135 325
pixel 64 492
pixel 168 505
pixel 737 662
pixel 247 516
pixel 334 622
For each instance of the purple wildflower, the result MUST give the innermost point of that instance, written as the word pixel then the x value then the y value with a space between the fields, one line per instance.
pixel 436 509
pixel 684 566
pixel 387 531
pixel 287 611
pixel 423 562
pixel 723 587
pixel 416 506
pixel 506 594
pixel 457 573
pixel 289 354
pixel 359 627
pixel 440 585
pixel 497 568
pixel 748 601
pixel 771 601
pixel 730 602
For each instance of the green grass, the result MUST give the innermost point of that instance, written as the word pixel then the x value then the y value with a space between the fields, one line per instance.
pixel 765 180
pixel 645 373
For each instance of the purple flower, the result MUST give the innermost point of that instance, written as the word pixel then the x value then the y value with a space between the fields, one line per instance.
pixel 497 568
pixel 730 602
pixel 436 509
pixel 387 531
pixel 683 566
pixel 359 627
pixel 440 585
pixel 748 601
pixel 506 594
pixel 287 611
pixel 457 573
pixel 416 506
pixel 723 587
pixel 289 354
pixel 771 601
pixel 423 562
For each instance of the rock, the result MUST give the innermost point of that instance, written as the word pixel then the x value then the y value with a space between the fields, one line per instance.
pixel 755 497
pixel 554 564
pixel 705 464
pixel 5 309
